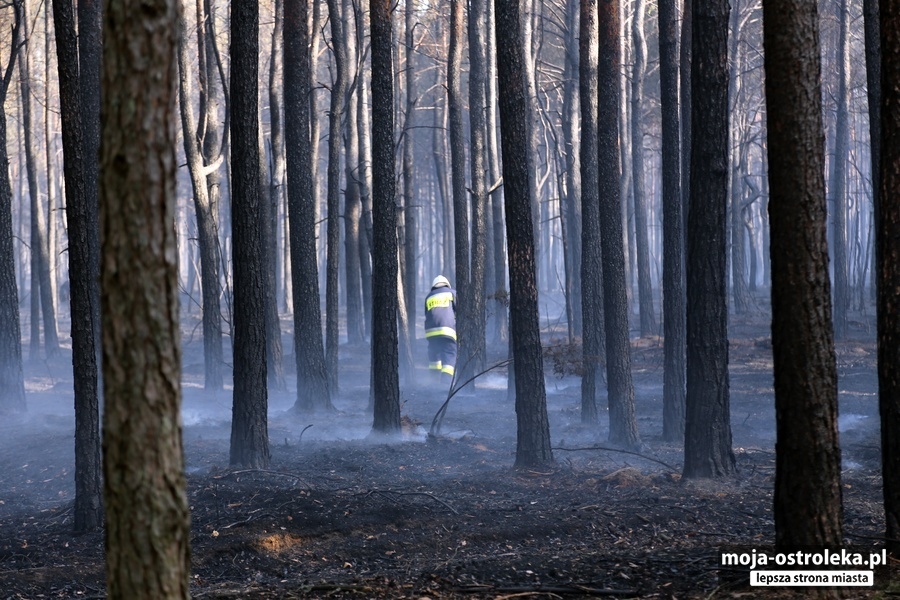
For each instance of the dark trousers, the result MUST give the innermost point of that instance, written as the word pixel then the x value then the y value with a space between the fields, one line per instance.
pixel 442 354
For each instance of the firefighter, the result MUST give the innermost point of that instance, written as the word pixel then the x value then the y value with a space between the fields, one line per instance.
pixel 440 326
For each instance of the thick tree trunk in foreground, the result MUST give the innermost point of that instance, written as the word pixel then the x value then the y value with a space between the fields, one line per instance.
pixel 385 352
pixel 888 257
pixel 148 526
pixel 707 448
pixel 808 456
pixel 249 433
pixel 533 428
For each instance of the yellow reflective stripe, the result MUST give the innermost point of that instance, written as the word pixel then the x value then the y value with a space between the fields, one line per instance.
pixel 448 369
pixel 447 331
pixel 437 366
pixel 442 300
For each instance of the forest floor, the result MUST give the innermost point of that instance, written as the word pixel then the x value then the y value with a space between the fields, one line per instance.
pixel 340 515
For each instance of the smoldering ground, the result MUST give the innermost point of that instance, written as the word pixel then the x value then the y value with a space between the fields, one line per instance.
pixel 341 514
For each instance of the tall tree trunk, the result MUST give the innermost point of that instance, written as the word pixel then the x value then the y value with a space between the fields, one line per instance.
pixel 333 237
pixel 386 383
pixel 622 420
pixel 410 201
pixel 458 177
pixel 838 185
pixel 205 212
pixel 145 488
pixel 49 159
pixel 873 91
pixel 276 125
pixel 529 48
pixel 40 261
pixel 673 228
pixel 83 227
pixel 738 151
pixel 495 290
pixel 90 48
pixel 472 350
pixel 315 26
pixel 888 256
pixel 249 434
pixel 592 257
pixel 685 106
pixel 365 187
pixel 268 236
pixel 642 245
pixel 532 424
pixel 352 289
pixel 571 172
pixel 12 380
pixel 707 448
pixel 312 377
pixel 808 457
pixel 269 201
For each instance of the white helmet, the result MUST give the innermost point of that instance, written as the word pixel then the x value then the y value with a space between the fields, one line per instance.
pixel 440 281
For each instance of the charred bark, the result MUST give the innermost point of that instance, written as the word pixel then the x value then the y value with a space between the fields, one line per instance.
pixel 707 448
pixel 673 229
pixel 592 255
pixel 385 353
pixel 888 257
pixel 12 379
pixel 148 523
pixel 533 429
pixel 249 434
pixel 808 458
pixel 309 352
pixel 622 421
pixel 83 251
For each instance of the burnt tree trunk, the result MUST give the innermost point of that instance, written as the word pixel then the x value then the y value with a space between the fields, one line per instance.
pixel 385 353
pixel 205 213
pixel 533 428
pixel 808 457
pixel 642 244
pixel 458 176
pixel 873 92
pixel 707 447
pixel 83 251
pixel 249 433
pixel 410 200
pixel 592 256
pixel 673 228
pixel 472 353
pixel 888 256
pixel 148 523
pixel 309 352
pixel 622 420
pixel 838 189
pixel 333 231
pixel 90 49
pixel 42 293
pixel 12 379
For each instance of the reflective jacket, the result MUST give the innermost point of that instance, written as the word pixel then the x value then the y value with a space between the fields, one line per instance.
pixel 440 312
